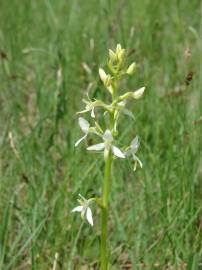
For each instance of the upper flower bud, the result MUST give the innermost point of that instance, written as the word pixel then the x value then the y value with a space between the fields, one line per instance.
pixel 130 70
pixel 119 52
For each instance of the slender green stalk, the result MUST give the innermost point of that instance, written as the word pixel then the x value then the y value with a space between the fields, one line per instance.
pixel 105 199
pixel 104 214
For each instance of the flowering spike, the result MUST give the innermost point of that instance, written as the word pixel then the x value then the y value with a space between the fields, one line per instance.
pixel 108 132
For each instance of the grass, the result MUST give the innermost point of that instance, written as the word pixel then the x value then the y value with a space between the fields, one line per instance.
pixel 156 213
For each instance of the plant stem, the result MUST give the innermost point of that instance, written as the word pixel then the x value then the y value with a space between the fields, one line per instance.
pixel 104 214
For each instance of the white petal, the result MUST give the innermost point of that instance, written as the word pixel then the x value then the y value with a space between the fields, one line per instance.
pixel 84 125
pixel 78 209
pixel 96 147
pixel 138 93
pixel 89 216
pixel 117 152
pixel 135 143
pixel 108 136
pixel 80 140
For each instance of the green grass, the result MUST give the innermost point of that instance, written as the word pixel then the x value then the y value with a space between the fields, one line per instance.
pixel 156 213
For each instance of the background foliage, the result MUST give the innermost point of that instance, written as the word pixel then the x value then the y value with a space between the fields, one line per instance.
pixel 156 213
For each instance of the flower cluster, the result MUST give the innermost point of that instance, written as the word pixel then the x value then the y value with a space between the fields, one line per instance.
pixel 117 69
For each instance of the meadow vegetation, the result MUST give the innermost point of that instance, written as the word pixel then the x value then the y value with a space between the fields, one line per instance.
pixel 50 53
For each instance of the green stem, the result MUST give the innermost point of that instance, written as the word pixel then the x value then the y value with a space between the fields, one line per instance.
pixel 105 196
pixel 104 214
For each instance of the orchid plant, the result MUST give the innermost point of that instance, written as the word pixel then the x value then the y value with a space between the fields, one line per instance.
pixel 108 135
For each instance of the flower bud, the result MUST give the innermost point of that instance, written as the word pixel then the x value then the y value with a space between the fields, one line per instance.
pixel 138 93
pixel 106 79
pixel 119 52
pixel 112 56
pixel 121 55
pixel 118 48
pixel 131 69
pixel 102 74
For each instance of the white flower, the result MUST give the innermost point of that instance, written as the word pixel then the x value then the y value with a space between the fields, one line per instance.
pixel 85 126
pixel 85 210
pixel 138 93
pixel 132 151
pixel 107 146
pixel 90 107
